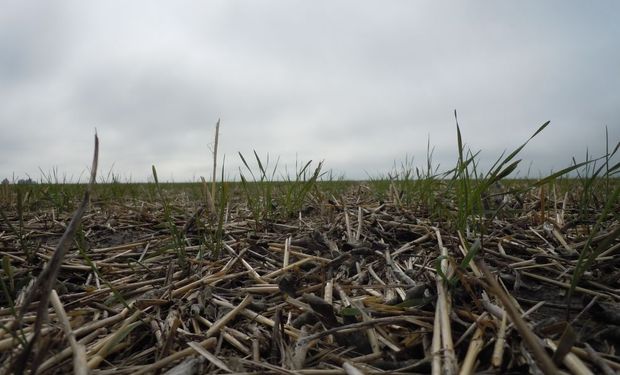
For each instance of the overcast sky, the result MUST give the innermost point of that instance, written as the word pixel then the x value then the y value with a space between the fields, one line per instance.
pixel 359 84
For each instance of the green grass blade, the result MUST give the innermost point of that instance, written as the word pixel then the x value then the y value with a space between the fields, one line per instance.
pixel 562 172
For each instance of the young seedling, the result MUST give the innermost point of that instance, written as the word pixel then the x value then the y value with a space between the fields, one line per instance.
pixel 177 236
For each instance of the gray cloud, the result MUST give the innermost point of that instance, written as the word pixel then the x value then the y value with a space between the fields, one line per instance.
pixel 360 85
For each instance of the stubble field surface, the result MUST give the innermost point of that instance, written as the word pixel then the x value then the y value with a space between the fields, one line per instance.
pixel 418 271
pixel 395 275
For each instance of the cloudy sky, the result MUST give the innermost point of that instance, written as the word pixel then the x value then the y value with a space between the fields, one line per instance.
pixel 359 84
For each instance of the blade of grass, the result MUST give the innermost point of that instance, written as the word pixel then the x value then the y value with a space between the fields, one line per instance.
pixel 47 278
pixel 217 137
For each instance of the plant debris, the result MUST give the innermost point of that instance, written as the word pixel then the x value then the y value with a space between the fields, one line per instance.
pixel 354 284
